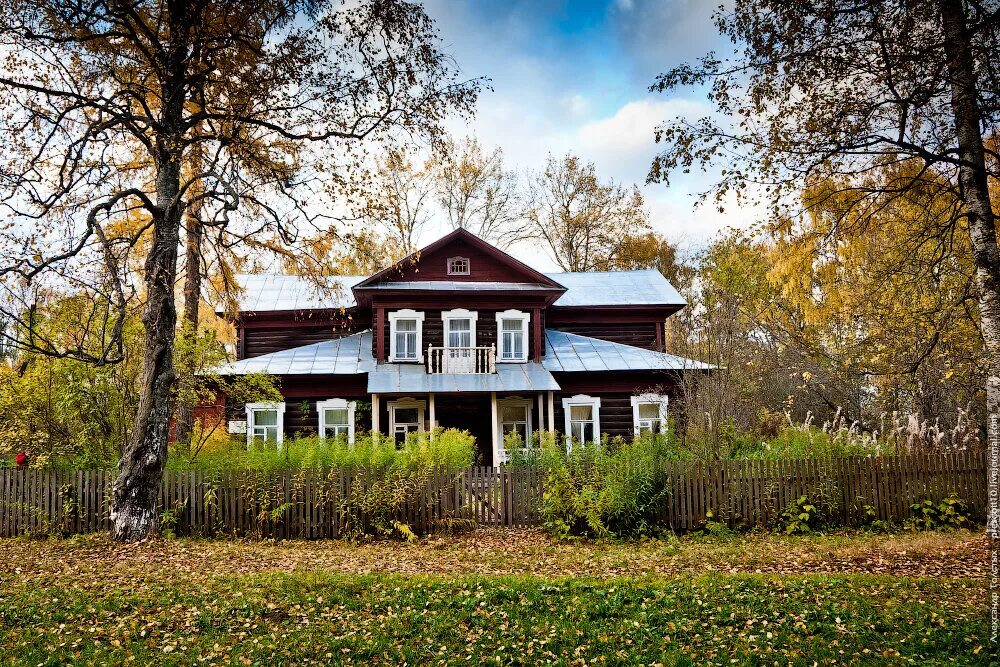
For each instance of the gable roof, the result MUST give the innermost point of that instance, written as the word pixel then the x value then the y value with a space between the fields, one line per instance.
pixel 408 263
pixel 267 292
pixel 567 352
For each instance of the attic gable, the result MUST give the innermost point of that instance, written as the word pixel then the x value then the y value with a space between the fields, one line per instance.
pixel 460 257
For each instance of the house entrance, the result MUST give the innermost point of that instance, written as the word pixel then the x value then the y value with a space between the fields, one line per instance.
pixel 468 412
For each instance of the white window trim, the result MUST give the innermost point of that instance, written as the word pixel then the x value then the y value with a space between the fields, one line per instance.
pixel 644 399
pixel 404 403
pixel 516 401
pixel 459 314
pixel 468 266
pixel 582 399
pixel 336 404
pixel 525 320
pixel 253 407
pixel 406 314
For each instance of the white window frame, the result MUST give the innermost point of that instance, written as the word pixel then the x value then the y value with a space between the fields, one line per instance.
pixel 513 401
pixel 336 404
pixel 403 404
pixel 525 321
pixel 252 408
pixel 582 399
pixel 646 399
pixel 406 314
pixel 468 266
pixel 447 316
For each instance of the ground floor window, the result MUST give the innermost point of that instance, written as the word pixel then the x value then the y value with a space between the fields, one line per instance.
pixel 583 418
pixel 336 419
pixel 265 423
pixel 649 413
pixel 405 416
pixel 515 417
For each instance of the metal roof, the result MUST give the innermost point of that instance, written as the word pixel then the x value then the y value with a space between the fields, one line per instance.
pixel 567 352
pixel 646 287
pixel 264 292
pixel 350 355
pixel 413 378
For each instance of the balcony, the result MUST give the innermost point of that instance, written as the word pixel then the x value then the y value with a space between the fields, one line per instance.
pixel 462 360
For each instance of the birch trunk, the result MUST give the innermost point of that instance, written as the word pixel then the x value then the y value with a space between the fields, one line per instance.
pixel 974 184
pixel 184 424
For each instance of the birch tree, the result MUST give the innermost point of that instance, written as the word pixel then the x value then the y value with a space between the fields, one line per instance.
pixel 584 224
pixel 106 103
pixel 477 192
pixel 829 90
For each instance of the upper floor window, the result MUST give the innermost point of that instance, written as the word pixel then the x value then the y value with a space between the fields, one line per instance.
pixel 649 413
pixel 512 333
pixel 459 327
pixel 265 423
pixel 405 335
pixel 458 266
pixel 336 419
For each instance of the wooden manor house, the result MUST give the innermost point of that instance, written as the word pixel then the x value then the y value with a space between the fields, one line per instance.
pixel 459 335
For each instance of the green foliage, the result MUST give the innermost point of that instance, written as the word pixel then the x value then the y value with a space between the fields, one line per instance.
pixel 951 512
pixel 69 413
pixel 801 516
pixel 614 489
pixel 447 448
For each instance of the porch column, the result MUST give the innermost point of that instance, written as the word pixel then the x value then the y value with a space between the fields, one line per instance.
pixel 375 415
pixel 430 406
pixel 496 428
pixel 552 413
pixel 540 424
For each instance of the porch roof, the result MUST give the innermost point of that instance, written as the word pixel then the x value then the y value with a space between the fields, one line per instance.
pixel 567 352
pixel 350 355
pixel 413 378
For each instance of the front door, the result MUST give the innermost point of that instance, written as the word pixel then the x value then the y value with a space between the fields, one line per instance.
pixel 468 412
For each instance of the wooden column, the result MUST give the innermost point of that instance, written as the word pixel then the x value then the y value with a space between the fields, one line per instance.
pixel 379 334
pixel 496 428
pixel 538 335
pixel 540 424
pixel 430 406
pixel 375 414
pixel 552 413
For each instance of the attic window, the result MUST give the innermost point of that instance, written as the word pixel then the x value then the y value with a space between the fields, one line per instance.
pixel 458 266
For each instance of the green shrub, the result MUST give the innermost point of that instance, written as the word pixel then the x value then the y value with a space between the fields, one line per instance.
pixel 801 516
pixel 444 448
pixel 951 512
pixel 614 489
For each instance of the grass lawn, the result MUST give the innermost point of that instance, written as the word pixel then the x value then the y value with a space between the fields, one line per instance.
pixel 503 597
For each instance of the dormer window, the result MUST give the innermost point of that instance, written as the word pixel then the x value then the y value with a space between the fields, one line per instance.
pixel 458 266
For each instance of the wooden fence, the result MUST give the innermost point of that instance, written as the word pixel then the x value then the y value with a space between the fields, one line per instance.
pixel 312 504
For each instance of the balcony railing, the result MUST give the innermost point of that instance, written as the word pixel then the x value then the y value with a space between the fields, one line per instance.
pixel 467 360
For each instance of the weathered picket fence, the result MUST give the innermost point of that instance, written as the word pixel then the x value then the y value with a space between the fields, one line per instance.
pixel 317 504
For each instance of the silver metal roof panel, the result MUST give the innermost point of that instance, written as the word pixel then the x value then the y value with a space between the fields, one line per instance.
pixel 413 378
pixel 351 355
pixel 569 353
pixel 646 287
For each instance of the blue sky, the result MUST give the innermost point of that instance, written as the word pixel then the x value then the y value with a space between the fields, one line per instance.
pixel 574 75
